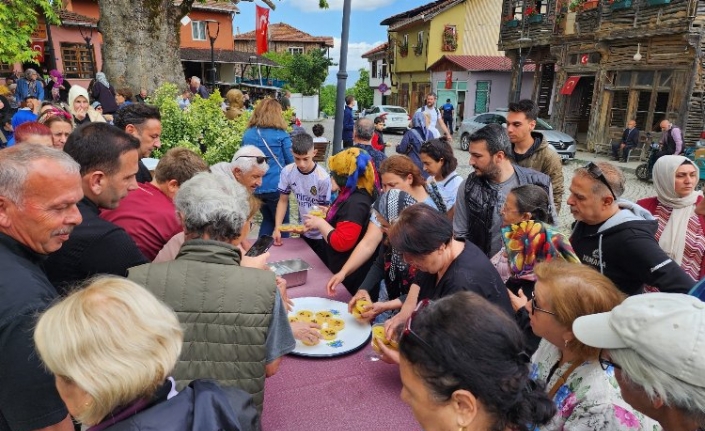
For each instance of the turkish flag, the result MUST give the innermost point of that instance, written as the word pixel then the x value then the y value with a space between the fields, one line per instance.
pixel 569 85
pixel 38 46
pixel 262 29
pixel 449 79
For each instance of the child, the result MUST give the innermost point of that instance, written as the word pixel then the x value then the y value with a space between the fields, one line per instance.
pixel 311 185
pixel 378 137
pixel 318 133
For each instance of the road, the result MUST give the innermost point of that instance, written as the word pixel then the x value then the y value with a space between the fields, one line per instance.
pixel 635 189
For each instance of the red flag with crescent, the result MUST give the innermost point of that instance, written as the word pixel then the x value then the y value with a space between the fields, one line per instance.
pixel 262 30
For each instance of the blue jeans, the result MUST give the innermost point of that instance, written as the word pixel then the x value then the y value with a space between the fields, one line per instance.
pixel 383 297
pixel 269 211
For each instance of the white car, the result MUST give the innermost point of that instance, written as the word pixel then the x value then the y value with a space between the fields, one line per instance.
pixel 396 117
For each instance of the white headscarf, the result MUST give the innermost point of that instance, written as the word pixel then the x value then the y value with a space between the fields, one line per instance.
pixel 672 239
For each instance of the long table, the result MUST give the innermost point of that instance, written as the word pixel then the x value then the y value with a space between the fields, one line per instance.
pixel 344 393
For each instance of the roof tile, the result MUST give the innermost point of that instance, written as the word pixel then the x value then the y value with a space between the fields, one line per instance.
pixel 286 33
pixel 482 63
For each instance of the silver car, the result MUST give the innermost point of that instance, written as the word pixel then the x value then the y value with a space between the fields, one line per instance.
pixel 563 144
pixel 396 117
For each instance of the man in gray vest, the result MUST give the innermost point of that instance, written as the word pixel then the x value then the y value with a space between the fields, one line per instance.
pixel 482 195
pixel 236 326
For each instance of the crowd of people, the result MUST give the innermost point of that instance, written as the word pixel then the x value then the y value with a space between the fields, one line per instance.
pixel 152 316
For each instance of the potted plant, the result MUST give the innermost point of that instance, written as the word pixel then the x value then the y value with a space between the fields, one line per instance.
pixel 590 4
pixel 532 15
pixel 657 2
pixel 450 39
pixel 418 49
pixel 510 21
pixel 620 4
pixel 403 48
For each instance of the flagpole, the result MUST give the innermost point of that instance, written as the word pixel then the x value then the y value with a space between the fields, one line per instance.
pixel 342 80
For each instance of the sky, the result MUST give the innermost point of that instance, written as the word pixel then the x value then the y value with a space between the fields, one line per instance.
pixel 365 30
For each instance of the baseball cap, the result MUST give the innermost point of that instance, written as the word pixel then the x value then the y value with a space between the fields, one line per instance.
pixel 666 329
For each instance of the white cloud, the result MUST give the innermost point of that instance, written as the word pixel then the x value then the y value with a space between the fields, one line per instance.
pixel 355 60
pixel 312 5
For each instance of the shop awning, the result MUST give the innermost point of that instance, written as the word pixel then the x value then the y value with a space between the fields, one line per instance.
pixel 570 85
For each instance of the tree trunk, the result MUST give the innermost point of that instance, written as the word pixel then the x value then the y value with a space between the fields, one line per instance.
pixel 141 43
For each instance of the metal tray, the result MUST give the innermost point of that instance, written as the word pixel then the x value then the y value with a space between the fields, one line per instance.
pixel 294 271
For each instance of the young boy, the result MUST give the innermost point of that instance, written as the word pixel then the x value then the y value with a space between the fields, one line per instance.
pixel 378 137
pixel 311 185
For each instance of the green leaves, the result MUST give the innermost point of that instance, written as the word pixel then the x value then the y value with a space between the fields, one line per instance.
pixel 18 20
pixel 362 91
pixel 303 73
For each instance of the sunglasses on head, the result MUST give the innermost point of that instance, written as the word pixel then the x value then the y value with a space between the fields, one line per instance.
pixel 260 159
pixel 597 174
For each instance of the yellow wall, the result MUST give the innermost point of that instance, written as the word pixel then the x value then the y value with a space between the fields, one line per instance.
pixel 453 16
pixel 412 62
pixel 482 25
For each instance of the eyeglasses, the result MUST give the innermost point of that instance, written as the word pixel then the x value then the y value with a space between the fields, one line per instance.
pixel 606 363
pixel 252 224
pixel 535 306
pixel 596 173
pixel 260 159
pixel 427 347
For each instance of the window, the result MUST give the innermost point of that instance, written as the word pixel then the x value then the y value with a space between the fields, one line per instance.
pixel 484 119
pixel 198 30
pixel 5 68
pixel 642 109
pixel 373 72
pixel 618 114
pixel 295 50
pixel 77 61
pixel 482 96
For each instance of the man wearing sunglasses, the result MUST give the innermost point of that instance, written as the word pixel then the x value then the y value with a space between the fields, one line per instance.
pixel 616 236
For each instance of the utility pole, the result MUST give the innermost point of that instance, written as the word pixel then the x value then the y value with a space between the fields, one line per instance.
pixel 342 79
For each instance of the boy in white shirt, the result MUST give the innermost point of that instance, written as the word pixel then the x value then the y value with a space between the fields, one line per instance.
pixel 311 185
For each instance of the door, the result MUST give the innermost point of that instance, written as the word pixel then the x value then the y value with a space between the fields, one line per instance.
pixel 482 96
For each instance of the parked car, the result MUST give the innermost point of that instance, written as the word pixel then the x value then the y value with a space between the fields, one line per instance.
pixel 396 117
pixel 564 144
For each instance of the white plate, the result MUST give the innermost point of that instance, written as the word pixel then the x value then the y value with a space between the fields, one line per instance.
pixel 354 336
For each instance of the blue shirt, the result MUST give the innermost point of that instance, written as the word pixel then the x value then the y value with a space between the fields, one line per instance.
pixel 348 124
pixel 447 109
pixel 278 149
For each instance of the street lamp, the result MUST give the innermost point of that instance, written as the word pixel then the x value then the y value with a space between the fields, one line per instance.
pixel 87 37
pixel 211 71
pixel 522 61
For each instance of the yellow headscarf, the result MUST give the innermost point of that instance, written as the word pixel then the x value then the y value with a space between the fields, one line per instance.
pixel 356 165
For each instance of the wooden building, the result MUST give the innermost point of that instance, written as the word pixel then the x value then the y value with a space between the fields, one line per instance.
pixel 284 38
pixel 600 63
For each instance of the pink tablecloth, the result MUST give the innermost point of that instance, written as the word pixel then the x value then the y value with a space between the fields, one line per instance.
pixel 344 393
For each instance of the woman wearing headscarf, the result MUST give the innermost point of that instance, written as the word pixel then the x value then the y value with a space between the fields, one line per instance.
pixel 413 139
pixel 680 230
pixel 57 90
pixel 104 93
pixel 80 109
pixel 346 221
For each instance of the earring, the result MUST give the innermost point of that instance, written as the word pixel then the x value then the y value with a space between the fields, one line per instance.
pixel 566 343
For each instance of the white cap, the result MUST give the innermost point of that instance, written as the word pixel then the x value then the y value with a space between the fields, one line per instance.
pixel 666 329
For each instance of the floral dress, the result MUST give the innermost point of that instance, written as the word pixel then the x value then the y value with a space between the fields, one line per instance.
pixel 589 400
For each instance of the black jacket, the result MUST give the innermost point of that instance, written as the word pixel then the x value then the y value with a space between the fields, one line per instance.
pixel 201 406
pixel 625 250
pixel 481 200
pixel 106 97
pixel 96 246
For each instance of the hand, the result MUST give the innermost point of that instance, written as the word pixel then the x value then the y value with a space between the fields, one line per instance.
pixel 374 309
pixel 306 331
pixel 361 294
pixel 257 262
pixel 80 113
pixel 334 281
pixel 311 222
pixel 386 353
pixel 277 235
pixel 518 302
pixel 281 285
pixel 391 325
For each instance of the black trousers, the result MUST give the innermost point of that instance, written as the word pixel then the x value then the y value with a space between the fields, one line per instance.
pixel 449 124
pixel 625 151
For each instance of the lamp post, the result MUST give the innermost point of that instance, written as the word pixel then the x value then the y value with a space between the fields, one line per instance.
pixel 522 61
pixel 342 79
pixel 89 47
pixel 211 71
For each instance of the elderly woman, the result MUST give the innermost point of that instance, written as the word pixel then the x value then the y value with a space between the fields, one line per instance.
pixel 474 375
pixel 80 109
pixel 29 85
pixel 346 222
pixel 653 345
pixel 113 385
pixel 440 163
pixel 103 92
pixel 206 284
pixel 267 131
pixel 587 398
pixel 680 230
pixel 413 139
pixel 443 264
pixel 59 123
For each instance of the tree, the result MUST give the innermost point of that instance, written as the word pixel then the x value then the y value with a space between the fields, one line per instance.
pixel 141 40
pixel 18 20
pixel 362 91
pixel 326 99
pixel 303 73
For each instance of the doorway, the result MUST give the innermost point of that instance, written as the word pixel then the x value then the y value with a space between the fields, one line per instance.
pixel 578 110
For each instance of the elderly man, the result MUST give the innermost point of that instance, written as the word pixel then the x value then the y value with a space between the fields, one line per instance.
pixel 616 237
pixel 654 345
pixel 108 158
pixel 482 195
pixel 144 122
pixel 531 150
pixel 671 140
pixel 196 87
pixel 362 136
pixel 148 214
pixel 39 190
pixel 629 141
pixel 207 287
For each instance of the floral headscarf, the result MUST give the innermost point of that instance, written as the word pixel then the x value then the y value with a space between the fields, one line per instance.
pixel 351 169
pixel 59 77
pixel 530 242
pixel 389 205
